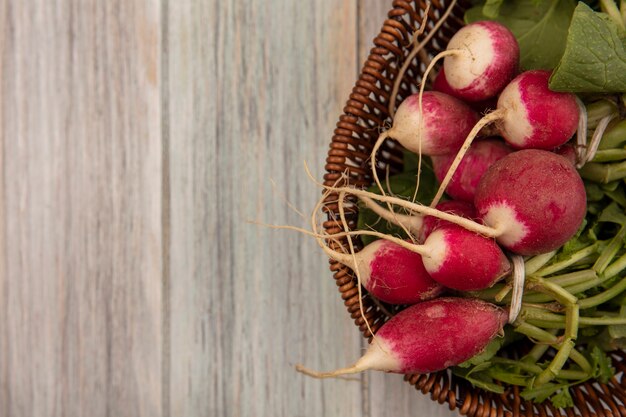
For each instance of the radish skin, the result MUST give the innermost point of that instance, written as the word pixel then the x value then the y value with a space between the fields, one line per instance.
pixel 546 120
pixel 480 156
pixel 536 198
pixel 529 115
pixel 391 273
pixel 428 337
pixel 488 59
pixel 445 122
pixel 483 262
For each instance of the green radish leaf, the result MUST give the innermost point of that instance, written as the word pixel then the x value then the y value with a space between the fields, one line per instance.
pixel 491 9
pixel 477 378
pixel 484 356
pixel 562 399
pixel 542 393
pixel 613 214
pixel 540 28
pixel 595 56
pixel 603 369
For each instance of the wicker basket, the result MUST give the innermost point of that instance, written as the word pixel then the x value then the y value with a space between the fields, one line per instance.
pixel 357 130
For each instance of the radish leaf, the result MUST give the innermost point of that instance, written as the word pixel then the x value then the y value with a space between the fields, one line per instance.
pixel 540 28
pixel 595 56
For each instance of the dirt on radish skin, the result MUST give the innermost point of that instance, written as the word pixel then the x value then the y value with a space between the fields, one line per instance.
pixel 428 337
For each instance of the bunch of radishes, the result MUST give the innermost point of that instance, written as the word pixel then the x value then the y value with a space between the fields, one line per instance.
pixel 512 196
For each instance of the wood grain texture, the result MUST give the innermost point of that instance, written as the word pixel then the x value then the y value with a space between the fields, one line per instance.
pixel 81 194
pixel 254 89
pixel 137 138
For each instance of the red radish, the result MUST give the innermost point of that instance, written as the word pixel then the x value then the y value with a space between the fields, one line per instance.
pixel 429 337
pixel 568 151
pixel 442 261
pixel 529 115
pixel 441 84
pixel 419 225
pixel 445 122
pixel 481 59
pixel 533 115
pixel 483 265
pixel 391 272
pixel 532 201
pixel 480 156
pixel 535 198
pixel 431 124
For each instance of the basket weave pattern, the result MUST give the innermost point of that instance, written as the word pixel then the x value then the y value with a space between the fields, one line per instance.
pixel 366 111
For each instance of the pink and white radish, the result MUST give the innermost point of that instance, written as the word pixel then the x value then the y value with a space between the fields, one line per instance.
pixel 448 257
pixel 428 337
pixel 532 201
pixel 391 272
pixel 483 263
pixel 441 84
pixel 535 198
pixel 439 128
pixel 480 60
pixel 480 156
pixel 529 115
pixel 456 207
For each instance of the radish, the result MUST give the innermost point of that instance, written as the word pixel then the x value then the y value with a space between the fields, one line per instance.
pixel 480 156
pixel 445 122
pixel 391 272
pixel 529 115
pixel 532 201
pixel 480 60
pixel 441 84
pixel 428 337
pixel 431 124
pixel 448 257
pixel 535 198
pixel 483 262
pixel 459 208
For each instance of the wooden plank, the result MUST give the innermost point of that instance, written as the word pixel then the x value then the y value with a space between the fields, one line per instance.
pixel 81 193
pixel 388 394
pixel 254 90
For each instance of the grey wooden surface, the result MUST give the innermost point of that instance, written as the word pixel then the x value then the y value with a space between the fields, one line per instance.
pixel 138 138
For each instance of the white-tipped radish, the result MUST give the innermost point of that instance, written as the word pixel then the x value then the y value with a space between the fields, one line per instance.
pixel 451 255
pixel 487 59
pixel 529 116
pixel 445 122
pixel 535 198
pixel 428 337
pixel 464 260
pixel 535 117
pixel 480 156
pixel 532 201
pixel 391 273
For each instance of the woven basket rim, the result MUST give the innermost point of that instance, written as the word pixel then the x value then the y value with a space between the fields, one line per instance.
pixel 357 129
